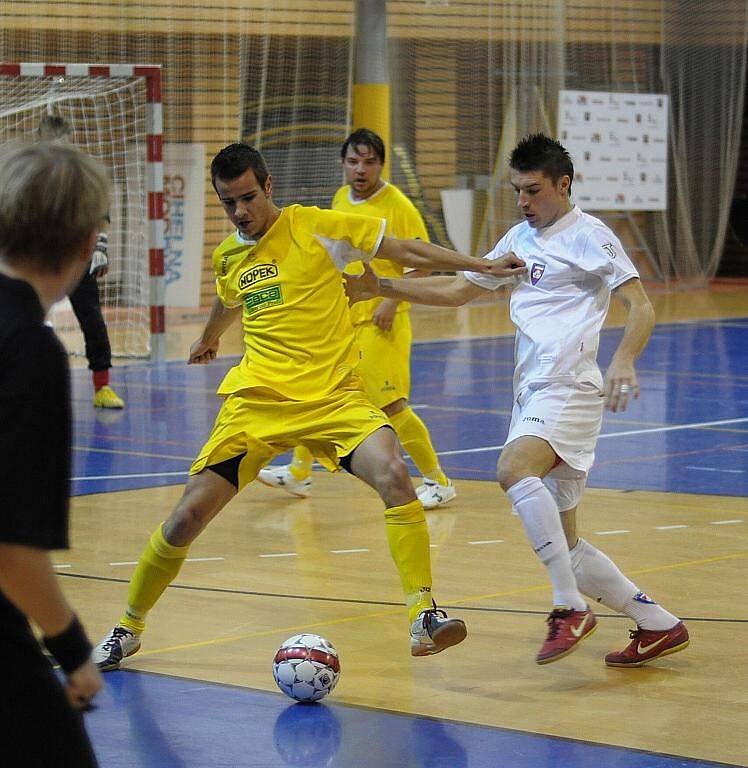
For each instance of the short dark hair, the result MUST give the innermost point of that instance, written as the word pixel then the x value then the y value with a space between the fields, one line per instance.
pixel 366 137
pixel 235 160
pixel 538 152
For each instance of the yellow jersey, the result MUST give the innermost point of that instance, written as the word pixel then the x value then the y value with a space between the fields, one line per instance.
pixel 298 334
pixel 403 221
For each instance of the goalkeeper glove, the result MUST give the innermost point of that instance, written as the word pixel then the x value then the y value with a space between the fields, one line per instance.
pixel 99 260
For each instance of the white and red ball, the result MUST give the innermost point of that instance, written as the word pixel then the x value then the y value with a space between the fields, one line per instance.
pixel 306 667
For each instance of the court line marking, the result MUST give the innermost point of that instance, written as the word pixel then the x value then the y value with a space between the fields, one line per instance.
pixel 716 469
pixel 280 554
pixel 433 546
pixel 120 452
pixel 399 609
pixel 347 551
pixel 462 451
pixel 62 565
pixel 187 560
pixel 625 433
pixel 131 477
pixel 661 329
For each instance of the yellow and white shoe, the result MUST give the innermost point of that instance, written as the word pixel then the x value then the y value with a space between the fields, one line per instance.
pixel 431 494
pixel 280 476
pixel 106 397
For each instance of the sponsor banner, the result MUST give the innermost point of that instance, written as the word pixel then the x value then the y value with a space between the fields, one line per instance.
pixel 618 143
pixel 184 209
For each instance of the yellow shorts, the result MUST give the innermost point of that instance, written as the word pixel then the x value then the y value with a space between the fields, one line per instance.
pixel 261 426
pixel 385 360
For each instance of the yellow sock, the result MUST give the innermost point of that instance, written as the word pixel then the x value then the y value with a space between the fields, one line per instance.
pixel 414 437
pixel 408 537
pixel 301 466
pixel 157 568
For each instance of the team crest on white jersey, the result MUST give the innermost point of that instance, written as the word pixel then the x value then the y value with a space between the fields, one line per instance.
pixel 536 273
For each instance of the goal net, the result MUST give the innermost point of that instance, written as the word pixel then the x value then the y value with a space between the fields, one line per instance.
pixel 109 112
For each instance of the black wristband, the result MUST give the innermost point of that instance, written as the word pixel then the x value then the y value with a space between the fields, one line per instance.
pixel 71 647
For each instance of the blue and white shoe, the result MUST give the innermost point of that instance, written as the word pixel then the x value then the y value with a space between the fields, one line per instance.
pixel 117 645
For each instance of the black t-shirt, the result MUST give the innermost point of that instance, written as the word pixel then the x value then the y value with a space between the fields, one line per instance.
pixel 35 428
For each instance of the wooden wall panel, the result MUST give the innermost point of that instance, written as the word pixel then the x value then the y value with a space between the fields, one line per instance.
pixel 443 46
pixel 435 96
pixel 291 17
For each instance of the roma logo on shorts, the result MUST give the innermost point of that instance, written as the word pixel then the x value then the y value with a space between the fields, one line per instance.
pixel 536 273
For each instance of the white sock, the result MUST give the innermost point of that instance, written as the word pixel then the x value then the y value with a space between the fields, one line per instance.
pixel 600 578
pixel 532 501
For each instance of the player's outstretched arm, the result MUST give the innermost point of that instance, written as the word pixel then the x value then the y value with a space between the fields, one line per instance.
pixel 423 255
pixel 443 291
pixel 205 348
pixel 620 378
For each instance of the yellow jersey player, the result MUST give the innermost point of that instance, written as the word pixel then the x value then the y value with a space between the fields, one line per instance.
pixel 295 385
pixel 382 325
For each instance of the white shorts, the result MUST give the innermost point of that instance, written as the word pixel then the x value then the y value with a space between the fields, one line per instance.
pixel 568 417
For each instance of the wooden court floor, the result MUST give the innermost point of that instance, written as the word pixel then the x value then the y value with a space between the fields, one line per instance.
pixel 270 566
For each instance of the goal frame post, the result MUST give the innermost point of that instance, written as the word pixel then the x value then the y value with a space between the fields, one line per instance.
pixel 154 170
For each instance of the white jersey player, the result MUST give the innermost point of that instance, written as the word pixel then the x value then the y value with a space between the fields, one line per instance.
pixel 574 263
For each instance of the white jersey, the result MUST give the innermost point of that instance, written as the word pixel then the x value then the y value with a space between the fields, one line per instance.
pixel 560 305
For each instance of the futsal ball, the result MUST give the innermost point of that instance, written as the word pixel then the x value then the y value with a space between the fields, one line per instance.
pixel 306 667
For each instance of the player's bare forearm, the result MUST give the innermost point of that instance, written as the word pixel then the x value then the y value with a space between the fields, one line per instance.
pixel 423 255
pixel 621 382
pixel 29 581
pixel 639 323
pixel 205 348
pixel 411 275
pixel 221 318
pixel 433 291
pixel 440 291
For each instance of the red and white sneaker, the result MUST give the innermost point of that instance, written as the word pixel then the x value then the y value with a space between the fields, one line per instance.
pixel 566 629
pixel 647 645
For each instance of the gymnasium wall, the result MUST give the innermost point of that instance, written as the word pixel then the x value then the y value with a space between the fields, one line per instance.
pixel 453 67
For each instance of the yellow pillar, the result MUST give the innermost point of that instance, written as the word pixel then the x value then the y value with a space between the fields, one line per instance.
pixel 371 109
pixel 371 87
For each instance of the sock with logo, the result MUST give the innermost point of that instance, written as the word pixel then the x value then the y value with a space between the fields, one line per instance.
pixel 408 537
pixel 535 505
pixel 157 568
pixel 415 439
pixel 599 578
pixel 301 466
